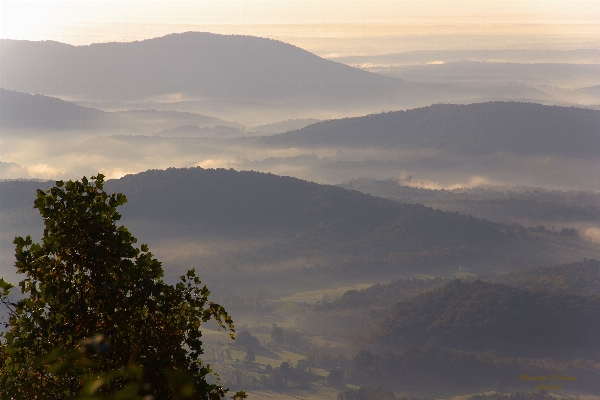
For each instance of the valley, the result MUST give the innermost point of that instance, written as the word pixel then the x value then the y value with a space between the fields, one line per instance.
pixel 387 221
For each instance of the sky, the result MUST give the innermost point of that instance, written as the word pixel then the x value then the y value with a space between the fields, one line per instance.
pixel 86 22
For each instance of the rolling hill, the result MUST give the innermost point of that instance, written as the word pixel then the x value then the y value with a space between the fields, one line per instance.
pixel 245 227
pixel 235 203
pixel 188 65
pixel 485 316
pixel 473 129
pixel 581 278
pixel 26 111
pixel 38 113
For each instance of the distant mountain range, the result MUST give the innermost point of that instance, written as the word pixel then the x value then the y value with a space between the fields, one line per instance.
pixel 473 129
pixel 27 112
pixel 498 141
pixel 190 65
pixel 504 55
pixel 284 126
pixel 501 204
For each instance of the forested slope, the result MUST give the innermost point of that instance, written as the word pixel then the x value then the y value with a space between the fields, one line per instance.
pixel 227 202
pixel 486 316
pixel 245 225
pixel 581 277
pixel 475 129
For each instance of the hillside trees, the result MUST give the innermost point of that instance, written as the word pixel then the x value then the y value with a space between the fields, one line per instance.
pixel 87 279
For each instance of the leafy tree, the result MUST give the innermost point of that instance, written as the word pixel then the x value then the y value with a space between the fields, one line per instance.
pixel 86 279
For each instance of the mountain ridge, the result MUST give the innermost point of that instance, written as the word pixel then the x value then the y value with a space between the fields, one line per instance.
pixel 196 64
pixel 478 128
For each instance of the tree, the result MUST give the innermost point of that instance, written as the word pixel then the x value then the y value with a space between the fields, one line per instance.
pixel 336 377
pixel 277 334
pixel 86 279
pixel 247 341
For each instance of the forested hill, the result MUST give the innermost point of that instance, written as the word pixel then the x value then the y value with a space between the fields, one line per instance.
pixel 280 219
pixel 193 64
pixel 206 201
pixel 581 277
pixel 483 316
pixel 511 127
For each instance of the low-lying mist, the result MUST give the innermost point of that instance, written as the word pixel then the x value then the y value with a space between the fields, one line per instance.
pixel 116 156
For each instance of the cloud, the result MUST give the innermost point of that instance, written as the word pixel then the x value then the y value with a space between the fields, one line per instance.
pixel 409 180
pixel 45 171
pixel 592 234
pixel 210 163
pixel 117 173
pixel 12 171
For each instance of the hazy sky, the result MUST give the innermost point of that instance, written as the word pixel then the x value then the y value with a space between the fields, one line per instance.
pixel 60 20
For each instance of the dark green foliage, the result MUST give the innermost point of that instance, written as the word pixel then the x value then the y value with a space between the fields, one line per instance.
pixel 126 383
pixel 85 279
pixel 366 393
pixel 581 277
pixel 486 316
